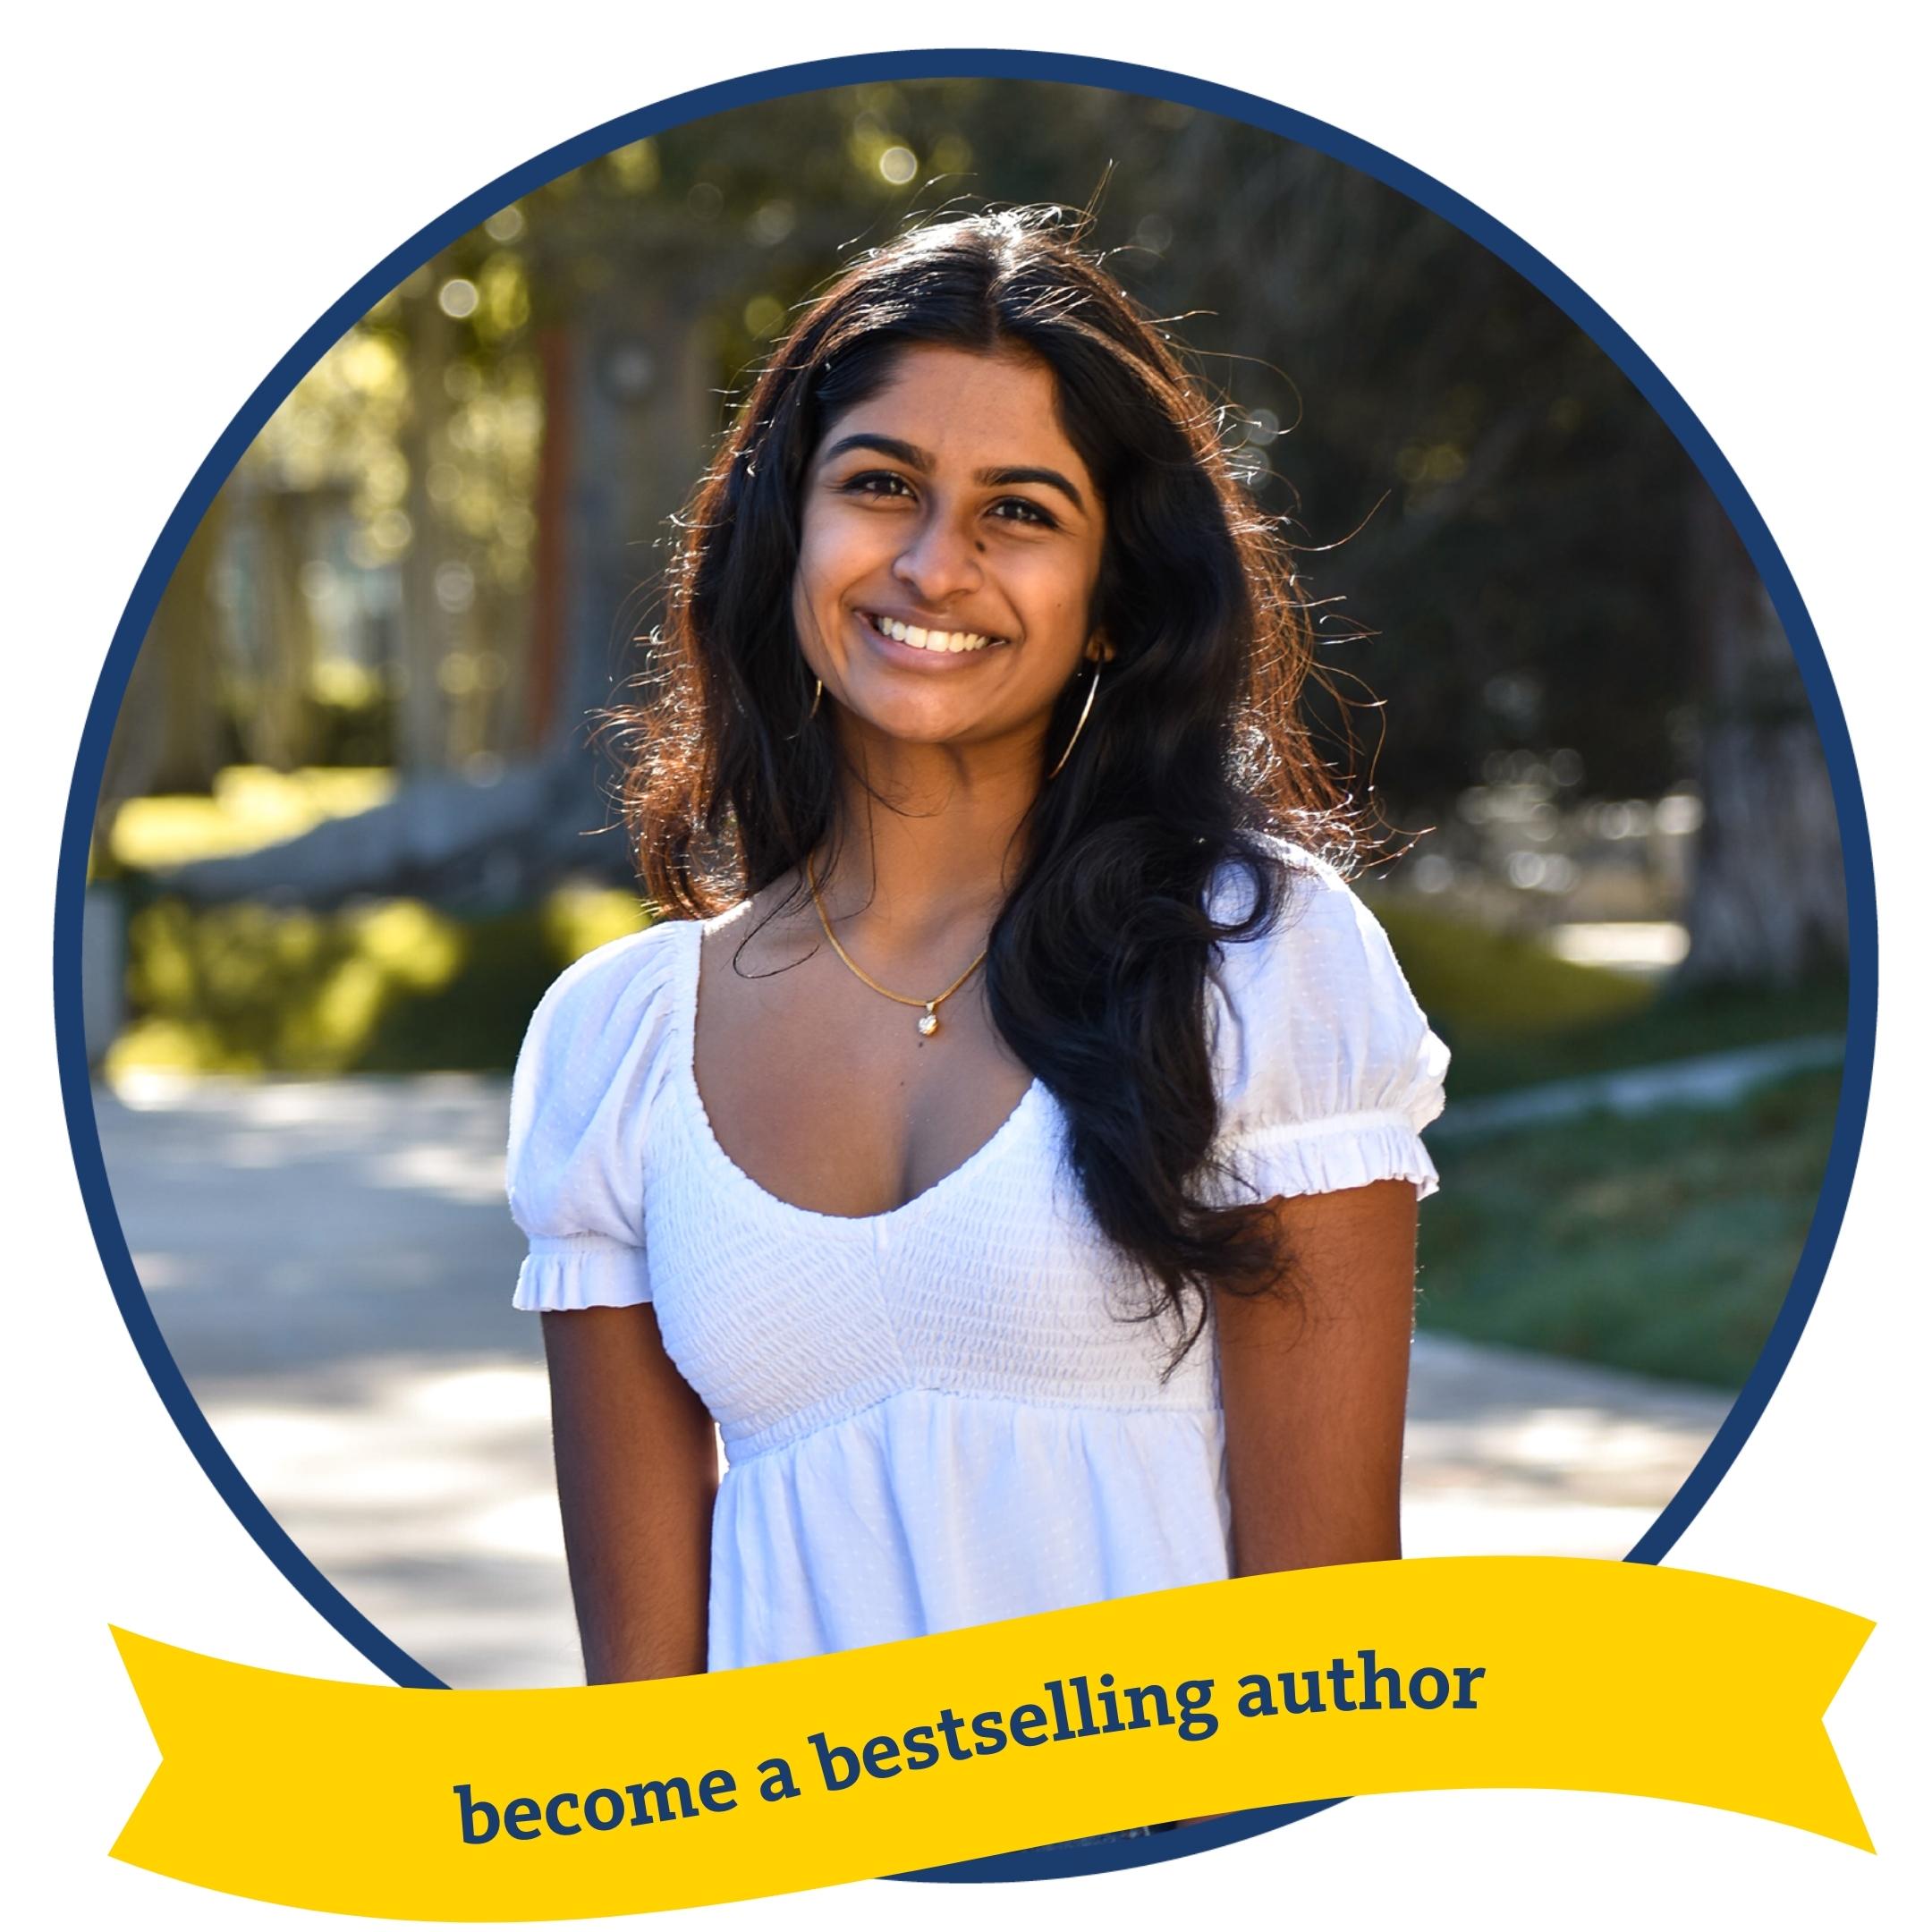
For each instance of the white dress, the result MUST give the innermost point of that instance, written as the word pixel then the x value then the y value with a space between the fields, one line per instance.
pixel 935 1417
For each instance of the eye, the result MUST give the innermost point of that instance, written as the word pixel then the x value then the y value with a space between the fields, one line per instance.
pixel 1029 512
pixel 876 483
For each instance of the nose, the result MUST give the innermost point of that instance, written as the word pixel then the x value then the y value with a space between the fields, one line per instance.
pixel 939 562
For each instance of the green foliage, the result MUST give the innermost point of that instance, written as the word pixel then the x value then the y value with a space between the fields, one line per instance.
pixel 248 807
pixel 1514 1015
pixel 1663 1244
pixel 386 988
pixel 1480 985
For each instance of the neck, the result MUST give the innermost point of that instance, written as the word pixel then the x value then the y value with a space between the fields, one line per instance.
pixel 929 835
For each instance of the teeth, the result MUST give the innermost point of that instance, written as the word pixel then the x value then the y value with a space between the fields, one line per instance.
pixel 932 641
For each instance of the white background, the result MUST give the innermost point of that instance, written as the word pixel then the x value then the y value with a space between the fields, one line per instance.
pixel 191 185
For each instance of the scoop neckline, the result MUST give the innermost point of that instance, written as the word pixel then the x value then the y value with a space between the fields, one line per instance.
pixel 692 967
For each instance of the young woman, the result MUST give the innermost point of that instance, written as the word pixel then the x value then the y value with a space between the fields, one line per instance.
pixel 1008 1136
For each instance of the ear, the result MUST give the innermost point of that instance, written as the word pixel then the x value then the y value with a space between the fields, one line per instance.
pixel 1100 649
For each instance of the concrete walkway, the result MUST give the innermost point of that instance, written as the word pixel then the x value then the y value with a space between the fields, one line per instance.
pixel 1704 1080
pixel 331 1263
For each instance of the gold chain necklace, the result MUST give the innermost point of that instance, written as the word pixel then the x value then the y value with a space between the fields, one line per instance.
pixel 928 1023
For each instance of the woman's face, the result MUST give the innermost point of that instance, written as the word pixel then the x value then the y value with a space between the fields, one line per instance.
pixel 950 546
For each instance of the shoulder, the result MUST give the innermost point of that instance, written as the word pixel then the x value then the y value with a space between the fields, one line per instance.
pixel 594 1056
pixel 1313 1014
pixel 1320 921
pixel 613 1010
pixel 624 979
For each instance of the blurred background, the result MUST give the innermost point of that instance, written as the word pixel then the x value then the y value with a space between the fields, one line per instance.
pixel 352 823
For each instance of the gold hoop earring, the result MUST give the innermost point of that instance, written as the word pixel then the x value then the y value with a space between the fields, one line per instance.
pixel 1092 689
pixel 818 693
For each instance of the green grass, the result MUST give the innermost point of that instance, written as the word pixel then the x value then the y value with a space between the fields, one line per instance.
pixel 1514 1015
pixel 1501 985
pixel 1663 1244
pixel 1671 1026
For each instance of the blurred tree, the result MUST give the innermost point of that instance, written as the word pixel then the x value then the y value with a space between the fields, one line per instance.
pixel 1493 519
pixel 421 702
pixel 279 708
pixel 1768 904
pixel 168 736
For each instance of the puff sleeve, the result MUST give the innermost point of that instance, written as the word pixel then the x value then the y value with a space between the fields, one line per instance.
pixel 1327 1067
pixel 579 1109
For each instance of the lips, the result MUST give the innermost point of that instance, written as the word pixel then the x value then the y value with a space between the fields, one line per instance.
pixel 941 643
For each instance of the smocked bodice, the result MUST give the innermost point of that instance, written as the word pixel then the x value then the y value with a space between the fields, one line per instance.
pixel 946 1412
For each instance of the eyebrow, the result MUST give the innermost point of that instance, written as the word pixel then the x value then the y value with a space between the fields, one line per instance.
pixel 915 458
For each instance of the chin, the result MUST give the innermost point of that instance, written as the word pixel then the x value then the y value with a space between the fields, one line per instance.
pixel 913 726
pixel 912 716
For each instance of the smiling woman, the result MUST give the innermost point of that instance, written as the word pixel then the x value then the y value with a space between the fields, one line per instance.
pixel 1095 1277
pixel 973 533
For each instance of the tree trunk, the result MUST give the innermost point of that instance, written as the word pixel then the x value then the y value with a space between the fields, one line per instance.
pixel 543 665
pixel 280 733
pixel 1768 903
pixel 422 735
pixel 166 736
pixel 635 383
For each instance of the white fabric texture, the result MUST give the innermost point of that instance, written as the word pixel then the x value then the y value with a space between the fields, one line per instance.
pixel 937 1416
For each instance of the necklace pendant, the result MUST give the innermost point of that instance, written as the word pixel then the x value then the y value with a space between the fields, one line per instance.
pixel 928 1023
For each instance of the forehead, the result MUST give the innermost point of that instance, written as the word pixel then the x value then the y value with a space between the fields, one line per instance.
pixel 1000 407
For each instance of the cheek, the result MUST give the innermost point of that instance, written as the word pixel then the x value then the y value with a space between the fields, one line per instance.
pixel 811 566
pixel 835 559
pixel 815 579
pixel 1062 598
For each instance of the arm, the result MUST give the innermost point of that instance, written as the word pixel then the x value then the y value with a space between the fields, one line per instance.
pixel 636 1472
pixel 1314 1385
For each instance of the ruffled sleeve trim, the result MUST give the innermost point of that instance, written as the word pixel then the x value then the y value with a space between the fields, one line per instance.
pixel 580 1271
pixel 1328 1068
pixel 1345 1150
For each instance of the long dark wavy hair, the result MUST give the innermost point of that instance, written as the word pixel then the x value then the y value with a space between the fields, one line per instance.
pixel 1192 768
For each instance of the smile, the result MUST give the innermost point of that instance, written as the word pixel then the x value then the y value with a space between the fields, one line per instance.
pixel 948 641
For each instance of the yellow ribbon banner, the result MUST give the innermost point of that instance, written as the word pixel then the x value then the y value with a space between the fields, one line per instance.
pixel 1451 1672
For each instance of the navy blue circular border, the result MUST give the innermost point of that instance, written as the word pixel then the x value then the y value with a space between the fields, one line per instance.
pixel 992 63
